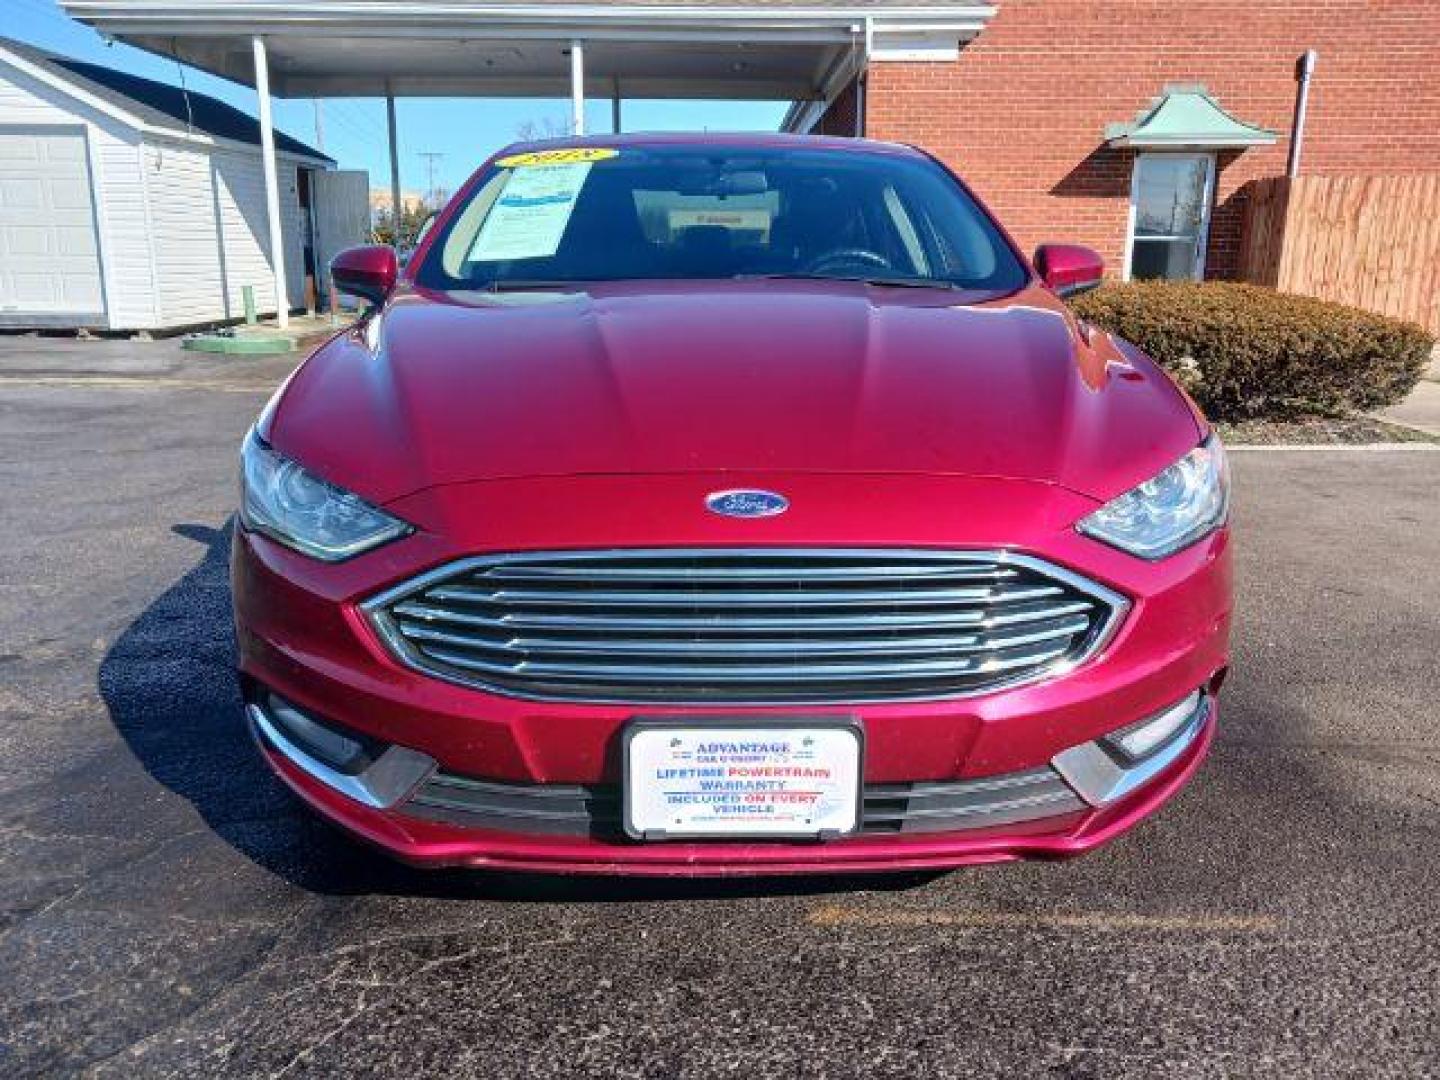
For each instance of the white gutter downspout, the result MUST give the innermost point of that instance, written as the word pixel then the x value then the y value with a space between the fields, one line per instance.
pixel 272 182
pixel 1302 103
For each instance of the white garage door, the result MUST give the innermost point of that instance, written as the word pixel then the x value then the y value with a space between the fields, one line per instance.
pixel 49 260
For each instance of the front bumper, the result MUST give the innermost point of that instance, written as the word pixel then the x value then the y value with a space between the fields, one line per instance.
pixel 303 637
pixel 364 808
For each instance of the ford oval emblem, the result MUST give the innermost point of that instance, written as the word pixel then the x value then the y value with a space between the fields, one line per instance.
pixel 747 503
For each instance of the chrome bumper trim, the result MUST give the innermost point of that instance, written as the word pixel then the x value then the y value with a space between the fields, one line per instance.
pixel 389 779
pixel 1101 780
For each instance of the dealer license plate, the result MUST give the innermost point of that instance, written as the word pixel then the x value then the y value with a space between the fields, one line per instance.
pixel 742 779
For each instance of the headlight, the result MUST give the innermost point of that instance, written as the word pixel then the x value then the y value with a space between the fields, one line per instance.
pixel 1186 502
pixel 283 501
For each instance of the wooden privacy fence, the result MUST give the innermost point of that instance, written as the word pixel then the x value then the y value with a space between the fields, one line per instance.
pixel 1369 241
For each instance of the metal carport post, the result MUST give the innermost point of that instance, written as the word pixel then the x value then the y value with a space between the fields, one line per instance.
pixel 390 128
pixel 577 87
pixel 272 182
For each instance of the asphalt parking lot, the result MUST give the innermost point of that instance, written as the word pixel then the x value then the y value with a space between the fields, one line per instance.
pixel 166 909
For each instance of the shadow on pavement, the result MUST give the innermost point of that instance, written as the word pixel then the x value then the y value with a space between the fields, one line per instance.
pixel 169 685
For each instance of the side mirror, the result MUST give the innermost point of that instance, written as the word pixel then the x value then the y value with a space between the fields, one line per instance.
pixel 1068 269
pixel 368 272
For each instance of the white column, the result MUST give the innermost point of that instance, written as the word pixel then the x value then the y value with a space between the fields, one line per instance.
pixel 395 207
pixel 577 88
pixel 862 79
pixel 272 183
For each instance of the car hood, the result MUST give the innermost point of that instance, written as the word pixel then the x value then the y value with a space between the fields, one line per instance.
pixel 741 378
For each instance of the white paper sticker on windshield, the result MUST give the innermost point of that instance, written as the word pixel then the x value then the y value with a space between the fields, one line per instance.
pixel 529 218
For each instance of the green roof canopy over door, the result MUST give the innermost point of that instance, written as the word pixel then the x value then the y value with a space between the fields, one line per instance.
pixel 1184 117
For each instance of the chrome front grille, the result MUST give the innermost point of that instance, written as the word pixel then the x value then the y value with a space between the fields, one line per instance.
pixel 756 626
pixel 594 810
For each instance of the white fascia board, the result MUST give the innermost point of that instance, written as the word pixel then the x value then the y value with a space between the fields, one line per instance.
pixel 245 17
pixel 921 40
pixel 915 47
pixel 229 13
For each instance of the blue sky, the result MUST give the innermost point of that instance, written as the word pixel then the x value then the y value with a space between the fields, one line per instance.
pixel 464 130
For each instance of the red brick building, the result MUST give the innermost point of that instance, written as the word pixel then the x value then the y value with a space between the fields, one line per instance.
pixel 1023 110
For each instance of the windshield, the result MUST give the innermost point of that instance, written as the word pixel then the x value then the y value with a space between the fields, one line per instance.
pixel 587 214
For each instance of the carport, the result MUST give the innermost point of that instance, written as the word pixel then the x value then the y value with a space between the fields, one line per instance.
pixel 388 48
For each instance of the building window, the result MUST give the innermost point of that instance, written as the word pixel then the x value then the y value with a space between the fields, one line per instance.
pixel 1170 197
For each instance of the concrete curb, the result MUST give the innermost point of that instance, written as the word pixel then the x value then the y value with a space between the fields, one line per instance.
pixel 239 345
pixel 1311 448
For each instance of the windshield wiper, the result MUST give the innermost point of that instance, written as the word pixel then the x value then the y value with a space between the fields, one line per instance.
pixel 521 284
pixel 886 281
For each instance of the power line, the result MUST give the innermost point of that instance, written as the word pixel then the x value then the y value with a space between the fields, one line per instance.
pixel 355 129
pixel 360 118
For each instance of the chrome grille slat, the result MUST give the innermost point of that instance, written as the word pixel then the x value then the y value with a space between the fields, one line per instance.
pixel 745 625
pixel 859 573
pixel 722 649
pixel 689 600
pixel 768 623
pixel 743 650
pixel 750 673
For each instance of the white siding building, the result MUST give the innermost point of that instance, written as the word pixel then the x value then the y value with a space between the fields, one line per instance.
pixel 127 204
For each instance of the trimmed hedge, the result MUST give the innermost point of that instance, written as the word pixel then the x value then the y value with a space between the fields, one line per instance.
pixel 1248 352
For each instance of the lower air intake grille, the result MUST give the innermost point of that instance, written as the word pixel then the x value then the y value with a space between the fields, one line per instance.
pixel 594 810
pixel 745 625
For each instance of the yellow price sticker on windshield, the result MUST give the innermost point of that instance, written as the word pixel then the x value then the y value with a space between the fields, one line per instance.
pixel 573 155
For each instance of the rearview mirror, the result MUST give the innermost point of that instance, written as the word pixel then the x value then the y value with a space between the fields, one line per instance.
pixel 1068 269
pixel 368 272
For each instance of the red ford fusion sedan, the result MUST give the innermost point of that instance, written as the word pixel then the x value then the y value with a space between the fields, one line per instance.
pixel 729 505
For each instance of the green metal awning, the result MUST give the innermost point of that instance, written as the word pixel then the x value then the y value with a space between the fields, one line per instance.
pixel 1186 116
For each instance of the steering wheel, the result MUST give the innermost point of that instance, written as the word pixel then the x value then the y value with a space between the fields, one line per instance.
pixel 842 257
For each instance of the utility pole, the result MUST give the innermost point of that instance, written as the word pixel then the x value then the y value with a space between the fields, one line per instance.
pixel 319 126
pixel 431 158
